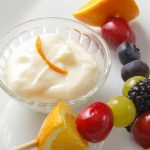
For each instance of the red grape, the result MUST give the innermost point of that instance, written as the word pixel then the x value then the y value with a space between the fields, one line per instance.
pixel 95 122
pixel 141 130
pixel 117 31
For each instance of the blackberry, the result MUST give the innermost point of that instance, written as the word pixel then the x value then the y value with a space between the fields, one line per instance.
pixel 140 96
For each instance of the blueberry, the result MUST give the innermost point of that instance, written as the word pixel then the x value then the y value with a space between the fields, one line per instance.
pixel 135 68
pixel 128 52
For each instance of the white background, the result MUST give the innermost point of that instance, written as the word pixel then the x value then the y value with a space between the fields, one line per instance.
pixel 17 124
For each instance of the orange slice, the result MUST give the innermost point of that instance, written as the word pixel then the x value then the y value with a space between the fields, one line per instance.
pixel 51 65
pixel 59 131
pixel 96 12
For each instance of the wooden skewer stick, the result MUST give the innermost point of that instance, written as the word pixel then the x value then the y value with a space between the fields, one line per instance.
pixel 27 146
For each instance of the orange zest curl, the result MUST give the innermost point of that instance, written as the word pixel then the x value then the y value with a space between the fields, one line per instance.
pixel 51 65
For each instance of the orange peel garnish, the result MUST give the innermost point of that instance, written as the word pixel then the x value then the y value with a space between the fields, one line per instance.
pixel 51 65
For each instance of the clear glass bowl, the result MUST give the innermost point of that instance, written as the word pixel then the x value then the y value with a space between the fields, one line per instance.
pixel 73 30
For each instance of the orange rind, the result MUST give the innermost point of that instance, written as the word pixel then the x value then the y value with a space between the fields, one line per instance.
pixel 50 64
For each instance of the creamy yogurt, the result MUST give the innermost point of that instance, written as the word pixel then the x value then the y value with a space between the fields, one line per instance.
pixel 30 77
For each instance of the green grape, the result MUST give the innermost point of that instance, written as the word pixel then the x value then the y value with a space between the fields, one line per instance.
pixel 124 111
pixel 130 83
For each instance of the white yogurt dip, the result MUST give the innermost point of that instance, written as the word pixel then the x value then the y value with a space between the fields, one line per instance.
pixel 30 77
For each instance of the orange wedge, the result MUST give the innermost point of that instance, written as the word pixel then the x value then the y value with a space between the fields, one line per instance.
pixel 96 12
pixel 59 131
pixel 51 65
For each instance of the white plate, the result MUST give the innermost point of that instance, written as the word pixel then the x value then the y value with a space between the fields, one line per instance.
pixel 18 125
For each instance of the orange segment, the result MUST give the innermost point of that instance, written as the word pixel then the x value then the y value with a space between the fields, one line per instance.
pixel 51 65
pixel 59 131
pixel 96 12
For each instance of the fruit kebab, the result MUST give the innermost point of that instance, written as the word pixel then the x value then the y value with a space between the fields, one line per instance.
pixel 132 110
pixel 62 130
pixel 136 73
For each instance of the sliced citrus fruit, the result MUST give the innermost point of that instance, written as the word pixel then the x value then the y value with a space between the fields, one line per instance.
pixel 51 65
pixel 96 12
pixel 59 131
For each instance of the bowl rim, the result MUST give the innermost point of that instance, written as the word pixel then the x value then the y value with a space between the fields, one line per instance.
pixel 100 83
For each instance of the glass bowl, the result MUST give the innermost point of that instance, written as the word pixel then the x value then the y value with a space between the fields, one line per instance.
pixel 73 30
